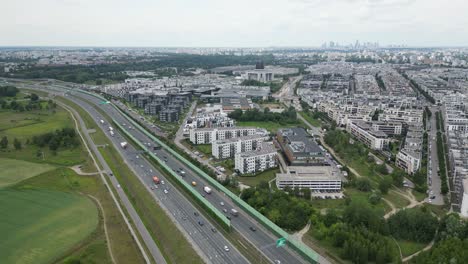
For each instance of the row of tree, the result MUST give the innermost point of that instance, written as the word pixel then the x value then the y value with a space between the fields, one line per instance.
pixel 359 232
pixel 8 90
pixel 285 210
pixel 4 143
pixel 451 243
pixel 66 137
pixel 288 116
pixel 442 165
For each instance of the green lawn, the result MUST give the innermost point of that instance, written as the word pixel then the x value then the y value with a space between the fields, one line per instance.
pixel 255 180
pixel 205 149
pixel 269 125
pixel 33 122
pixel 13 171
pixel 409 248
pixel 397 200
pixel 42 225
pixel 314 122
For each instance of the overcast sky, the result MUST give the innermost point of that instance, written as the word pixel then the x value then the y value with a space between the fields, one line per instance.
pixel 222 23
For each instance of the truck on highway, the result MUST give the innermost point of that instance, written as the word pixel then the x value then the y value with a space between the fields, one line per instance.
pixel 234 212
pixel 124 144
pixel 194 183
pixel 207 189
pixel 111 133
pixel 156 180
pixel 102 121
pixel 111 129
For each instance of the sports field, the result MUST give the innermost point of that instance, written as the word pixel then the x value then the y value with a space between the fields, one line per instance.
pixel 13 171
pixel 38 226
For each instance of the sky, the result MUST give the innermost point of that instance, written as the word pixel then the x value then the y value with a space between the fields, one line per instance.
pixel 234 23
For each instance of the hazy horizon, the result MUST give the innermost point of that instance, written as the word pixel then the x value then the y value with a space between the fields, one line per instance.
pixel 228 24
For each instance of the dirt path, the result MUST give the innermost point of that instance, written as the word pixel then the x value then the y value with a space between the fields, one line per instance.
pixel 299 234
pixel 419 252
pixel 394 209
pixel 78 170
pixel 105 227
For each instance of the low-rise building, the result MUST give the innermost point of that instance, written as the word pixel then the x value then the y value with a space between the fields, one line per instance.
pixel 315 178
pixel 227 148
pixel 299 147
pixel 263 158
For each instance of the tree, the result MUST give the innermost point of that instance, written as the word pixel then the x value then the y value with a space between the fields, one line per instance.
pixel 17 144
pixel 385 184
pixel 4 142
pixel 34 97
pixel 413 224
pixel 363 184
pixel 306 193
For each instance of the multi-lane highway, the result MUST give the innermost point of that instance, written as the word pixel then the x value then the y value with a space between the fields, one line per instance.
pixel 212 244
pixel 208 242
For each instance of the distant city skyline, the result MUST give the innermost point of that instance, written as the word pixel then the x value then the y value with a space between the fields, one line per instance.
pixel 243 23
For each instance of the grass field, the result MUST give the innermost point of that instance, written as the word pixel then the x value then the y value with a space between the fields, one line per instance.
pixel 13 171
pixel 255 180
pixel 34 122
pixel 311 120
pixel 270 126
pixel 25 125
pixel 205 149
pixel 409 248
pixel 41 225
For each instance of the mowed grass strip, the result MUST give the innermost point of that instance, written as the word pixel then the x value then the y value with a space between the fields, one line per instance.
pixel 38 226
pixel 13 171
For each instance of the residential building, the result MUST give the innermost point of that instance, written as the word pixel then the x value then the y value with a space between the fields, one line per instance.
pixel 258 160
pixel 168 115
pixel 389 128
pixel 374 139
pixel 408 160
pixel 227 148
pixel 208 135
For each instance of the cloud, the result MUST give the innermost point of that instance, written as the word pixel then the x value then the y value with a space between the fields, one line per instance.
pixel 232 23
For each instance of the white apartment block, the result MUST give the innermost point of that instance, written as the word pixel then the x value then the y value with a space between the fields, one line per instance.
pixel 315 178
pixel 257 160
pixel 227 148
pixel 408 116
pixel 389 128
pixel 408 160
pixel 374 139
pixel 208 135
pixel 464 198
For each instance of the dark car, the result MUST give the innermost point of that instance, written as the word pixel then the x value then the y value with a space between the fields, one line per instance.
pixel 195 214
pixel 201 223
pixel 253 229
pixel 228 217
pixel 213 230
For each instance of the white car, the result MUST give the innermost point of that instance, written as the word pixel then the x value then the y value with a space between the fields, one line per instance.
pixel 226 248
pixel 118 185
pixel 221 203
pixel 162 182
pixel 165 191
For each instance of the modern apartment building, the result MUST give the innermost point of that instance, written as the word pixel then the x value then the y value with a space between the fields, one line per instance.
pixel 315 178
pixel 208 135
pixel 227 148
pixel 408 160
pixel 374 139
pixel 389 128
pixel 263 158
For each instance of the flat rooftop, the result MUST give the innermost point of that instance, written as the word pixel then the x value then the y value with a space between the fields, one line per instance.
pixel 295 173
